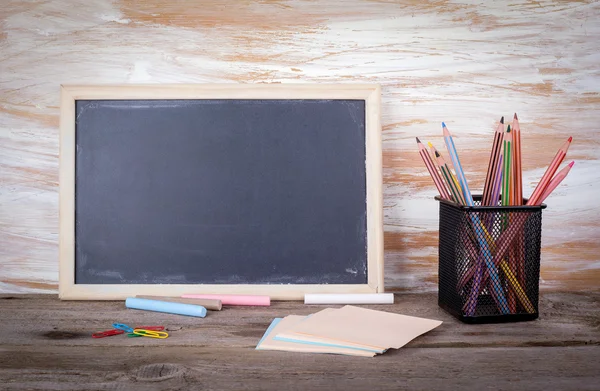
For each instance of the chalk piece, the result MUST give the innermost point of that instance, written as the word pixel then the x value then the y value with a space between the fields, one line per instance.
pixel 163 306
pixel 350 298
pixel 234 299
pixel 209 304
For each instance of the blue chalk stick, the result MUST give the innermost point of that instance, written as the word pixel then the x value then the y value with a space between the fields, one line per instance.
pixel 163 306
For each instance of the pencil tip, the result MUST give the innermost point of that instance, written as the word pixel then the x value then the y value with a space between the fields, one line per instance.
pixel 508 129
pixel 443 125
pixel 571 164
pixel 517 118
pixel 418 139
pixel 570 139
pixel 437 154
pixel 502 120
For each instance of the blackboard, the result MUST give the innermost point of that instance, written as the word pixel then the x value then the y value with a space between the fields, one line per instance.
pixel 200 192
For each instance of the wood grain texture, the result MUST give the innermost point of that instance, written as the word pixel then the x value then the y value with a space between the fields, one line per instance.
pixel 455 61
pixel 47 344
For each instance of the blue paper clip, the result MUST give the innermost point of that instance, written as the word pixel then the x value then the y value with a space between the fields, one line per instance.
pixel 123 327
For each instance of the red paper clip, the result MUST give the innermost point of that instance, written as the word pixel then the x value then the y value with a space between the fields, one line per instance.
pixel 107 333
pixel 153 328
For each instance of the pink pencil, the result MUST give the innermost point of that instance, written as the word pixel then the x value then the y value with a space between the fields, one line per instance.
pixel 541 187
pixel 558 178
pixel 234 299
pixel 497 183
pixel 435 175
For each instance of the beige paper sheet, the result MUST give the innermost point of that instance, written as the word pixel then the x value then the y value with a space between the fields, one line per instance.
pixel 363 326
pixel 316 339
pixel 290 321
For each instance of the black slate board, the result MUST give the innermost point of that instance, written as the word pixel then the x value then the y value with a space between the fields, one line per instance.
pixel 220 192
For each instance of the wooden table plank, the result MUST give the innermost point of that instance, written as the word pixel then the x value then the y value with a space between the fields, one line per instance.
pixel 47 344
pixel 153 368
pixel 567 319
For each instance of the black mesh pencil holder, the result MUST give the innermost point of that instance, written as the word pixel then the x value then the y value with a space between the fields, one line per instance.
pixel 489 261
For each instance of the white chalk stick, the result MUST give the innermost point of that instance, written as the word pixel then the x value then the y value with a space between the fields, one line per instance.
pixel 349 298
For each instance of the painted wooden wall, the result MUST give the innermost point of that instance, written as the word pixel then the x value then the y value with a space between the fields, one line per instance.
pixel 462 62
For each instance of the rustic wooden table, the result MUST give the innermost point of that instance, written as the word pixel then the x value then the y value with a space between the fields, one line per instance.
pixel 46 344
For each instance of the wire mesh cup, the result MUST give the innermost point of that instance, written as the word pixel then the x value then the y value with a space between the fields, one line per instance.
pixel 489 261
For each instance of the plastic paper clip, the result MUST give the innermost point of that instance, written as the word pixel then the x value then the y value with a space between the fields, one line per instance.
pixel 123 327
pixel 151 333
pixel 107 333
pixel 152 328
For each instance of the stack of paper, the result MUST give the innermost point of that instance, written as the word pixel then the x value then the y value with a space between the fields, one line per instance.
pixel 349 330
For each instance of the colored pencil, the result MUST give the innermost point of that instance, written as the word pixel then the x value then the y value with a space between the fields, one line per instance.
pixel 504 177
pixel 554 164
pixel 507 237
pixel 490 178
pixel 487 256
pixel 489 220
pixel 507 178
pixel 470 304
pixel 449 140
pixel 517 198
pixel 514 283
pixel 507 168
pixel 517 169
pixel 490 217
pixel 435 175
pixel 558 178
pixel 497 183
pixel 448 177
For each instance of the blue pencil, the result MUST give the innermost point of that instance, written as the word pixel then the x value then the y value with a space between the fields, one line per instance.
pixel 487 255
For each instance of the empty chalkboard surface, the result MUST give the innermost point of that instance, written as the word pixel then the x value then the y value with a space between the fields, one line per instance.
pixel 220 189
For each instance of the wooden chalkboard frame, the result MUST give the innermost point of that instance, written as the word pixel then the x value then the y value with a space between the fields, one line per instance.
pixel 371 94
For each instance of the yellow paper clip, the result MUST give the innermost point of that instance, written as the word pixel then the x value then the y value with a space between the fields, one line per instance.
pixel 151 333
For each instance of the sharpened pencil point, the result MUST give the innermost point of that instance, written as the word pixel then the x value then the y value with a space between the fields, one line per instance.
pixel 502 120
pixel 443 125
pixel 508 129
pixel 517 118
pixel 418 139
pixel 571 164
pixel 570 139
pixel 437 154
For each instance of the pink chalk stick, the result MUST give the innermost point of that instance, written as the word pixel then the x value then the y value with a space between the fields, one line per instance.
pixel 234 299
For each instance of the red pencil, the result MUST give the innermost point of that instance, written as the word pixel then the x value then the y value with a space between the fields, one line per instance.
pixel 541 187
pixel 435 175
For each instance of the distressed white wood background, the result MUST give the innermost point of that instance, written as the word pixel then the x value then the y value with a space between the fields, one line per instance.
pixel 462 62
